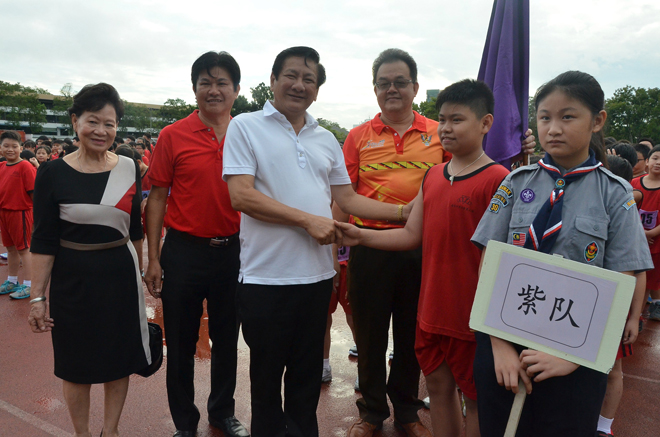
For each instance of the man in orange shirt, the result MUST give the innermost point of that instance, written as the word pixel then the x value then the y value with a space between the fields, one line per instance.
pixel 387 159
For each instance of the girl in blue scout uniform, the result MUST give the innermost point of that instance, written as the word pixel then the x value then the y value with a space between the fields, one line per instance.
pixel 567 204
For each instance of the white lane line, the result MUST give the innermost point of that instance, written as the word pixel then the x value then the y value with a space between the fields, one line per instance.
pixel 33 420
pixel 641 378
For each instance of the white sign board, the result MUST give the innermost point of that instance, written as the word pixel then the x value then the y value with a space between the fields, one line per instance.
pixel 569 309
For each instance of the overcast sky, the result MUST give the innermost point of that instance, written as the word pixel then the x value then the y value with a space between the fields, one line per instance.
pixel 145 48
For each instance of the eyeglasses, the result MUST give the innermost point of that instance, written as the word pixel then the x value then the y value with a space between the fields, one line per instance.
pixel 398 84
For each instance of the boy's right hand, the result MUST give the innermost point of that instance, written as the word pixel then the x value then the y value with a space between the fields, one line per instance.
pixel 351 234
pixel 508 367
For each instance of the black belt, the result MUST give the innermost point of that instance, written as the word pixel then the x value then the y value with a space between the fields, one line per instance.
pixel 213 242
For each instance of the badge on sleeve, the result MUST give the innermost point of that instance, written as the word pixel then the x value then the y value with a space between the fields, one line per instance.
pixel 591 251
pixel 494 207
pixel 519 239
pixel 527 195
pixel 506 190
pixel 629 204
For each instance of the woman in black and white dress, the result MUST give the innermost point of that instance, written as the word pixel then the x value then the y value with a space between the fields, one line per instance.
pixel 86 213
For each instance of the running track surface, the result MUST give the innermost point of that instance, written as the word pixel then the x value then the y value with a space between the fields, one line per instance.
pixel 32 405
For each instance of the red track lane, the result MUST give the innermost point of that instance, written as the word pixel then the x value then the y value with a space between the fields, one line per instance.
pixel 32 405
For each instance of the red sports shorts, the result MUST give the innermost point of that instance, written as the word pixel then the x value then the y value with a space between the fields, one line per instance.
pixel 341 296
pixel 433 349
pixel 653 276
pixel 16 228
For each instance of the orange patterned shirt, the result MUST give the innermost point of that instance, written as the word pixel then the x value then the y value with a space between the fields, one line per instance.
pixel 389 168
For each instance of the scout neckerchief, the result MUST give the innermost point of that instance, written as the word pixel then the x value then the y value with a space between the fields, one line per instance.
pixel 546 226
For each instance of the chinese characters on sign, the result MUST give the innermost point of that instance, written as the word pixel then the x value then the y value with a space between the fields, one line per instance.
pixel 531 295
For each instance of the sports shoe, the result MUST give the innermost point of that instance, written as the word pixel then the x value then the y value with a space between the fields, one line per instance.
pixel 327 374
pixel 353 351
pixel 603 434
pixel 8 287
pixel 654 311
pixel 427 402
pixel 356 386
pixel 21 292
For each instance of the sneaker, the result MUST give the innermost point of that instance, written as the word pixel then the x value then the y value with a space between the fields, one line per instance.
pixel 327 374
pixel 353 351
pixel 603 434
pixel 8 287
pixel 427 403
pixel 357 383
pixel 654 311
pixel 22 292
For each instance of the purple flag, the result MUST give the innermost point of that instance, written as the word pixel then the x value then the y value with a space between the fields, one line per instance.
pixel 505 68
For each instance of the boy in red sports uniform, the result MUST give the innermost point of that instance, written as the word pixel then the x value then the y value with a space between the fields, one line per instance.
pixel 447 210
pixel 16 186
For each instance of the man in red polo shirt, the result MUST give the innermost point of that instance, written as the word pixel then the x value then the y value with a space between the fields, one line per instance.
pixel 200 257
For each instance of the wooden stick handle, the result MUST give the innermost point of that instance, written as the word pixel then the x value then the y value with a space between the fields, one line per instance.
pixel 516 410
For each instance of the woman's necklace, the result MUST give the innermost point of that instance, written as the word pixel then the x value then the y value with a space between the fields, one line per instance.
pixel 105 164
pixel 451 177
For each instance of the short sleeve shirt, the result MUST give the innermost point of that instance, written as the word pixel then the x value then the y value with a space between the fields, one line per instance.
pixel 600 223
pixel 188 160
pixel 389 168
pixel 295 170
pixel 16 184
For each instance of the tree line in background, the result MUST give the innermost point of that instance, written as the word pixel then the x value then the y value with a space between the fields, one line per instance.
pixel 633 113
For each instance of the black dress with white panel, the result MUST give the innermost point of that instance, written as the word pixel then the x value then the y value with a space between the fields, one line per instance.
pixel 96 297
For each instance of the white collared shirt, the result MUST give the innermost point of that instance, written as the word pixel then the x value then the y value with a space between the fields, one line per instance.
pixel 296 170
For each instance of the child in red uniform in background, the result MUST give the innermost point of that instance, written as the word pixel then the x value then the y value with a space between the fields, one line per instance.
pixel 16 186
pixel 451 201
pixel 647 196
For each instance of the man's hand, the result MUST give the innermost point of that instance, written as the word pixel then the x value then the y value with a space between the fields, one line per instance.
pixel 508 367
pixel 322 229
pixel 544 365
pixel 351 234
pixel 34 162
pixel 38 318
pixel 154 278
pixel 528 143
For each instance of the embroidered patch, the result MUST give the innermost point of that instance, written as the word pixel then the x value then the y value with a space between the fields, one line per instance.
pixel 591 251
pixel 426 139
pixel 374 144
pixel 629 204
pixel 560 183
pixel 500 199
pixel 506 190
pixel 519 239
pixel 494 207
pixel 527 195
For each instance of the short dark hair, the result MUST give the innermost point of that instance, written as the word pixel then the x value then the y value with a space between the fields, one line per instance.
pixel 29 144
pixel 93 98
pixel 148 135
pixel 654 150
pixel 639 148
pixel 46 148
pixel 42 138
pixel 76 138
pixel 125 150
pixel 627 152
pixel 650 140
pixel 474 94
pixel 68 141
pixel 11 135
pixel 57 141
pixel 209 60
pixel 46 143
pixel 131 137
pixel 620 167
pixel 69 148
pixel 300 52
pixel 393 55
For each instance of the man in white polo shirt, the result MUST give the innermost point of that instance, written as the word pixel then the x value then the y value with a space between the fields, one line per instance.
pixel 283 170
